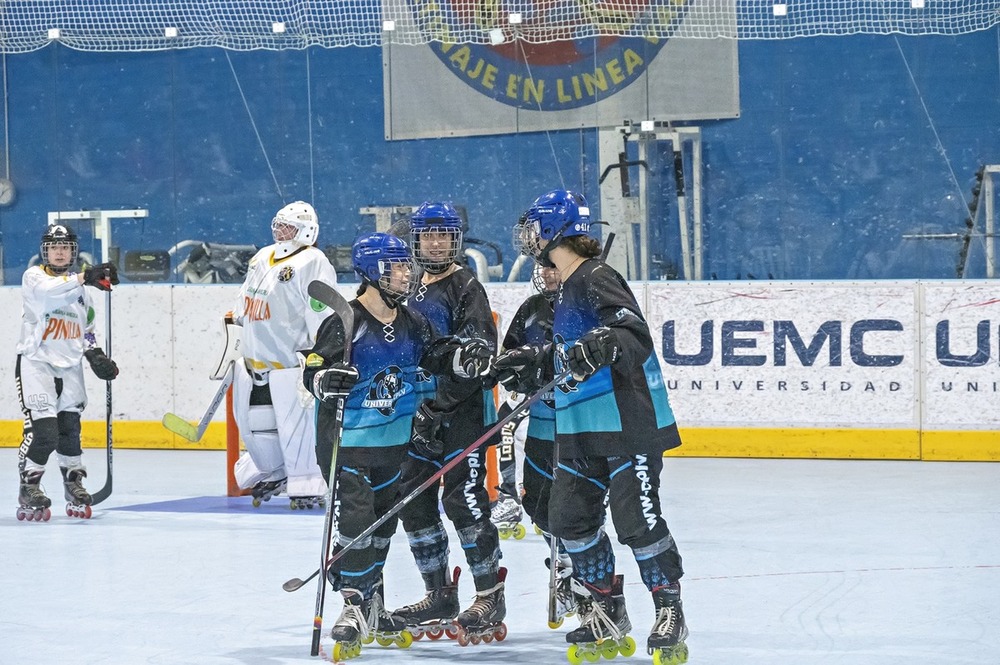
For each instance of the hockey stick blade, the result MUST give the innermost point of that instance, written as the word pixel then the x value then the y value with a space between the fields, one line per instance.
pixel 296 583
pixel 193 433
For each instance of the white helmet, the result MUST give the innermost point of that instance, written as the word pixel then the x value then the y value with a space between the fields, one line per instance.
pixel 300 215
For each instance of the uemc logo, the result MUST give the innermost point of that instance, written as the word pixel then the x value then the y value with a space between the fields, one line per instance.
pixel 735 348
pixel 830 334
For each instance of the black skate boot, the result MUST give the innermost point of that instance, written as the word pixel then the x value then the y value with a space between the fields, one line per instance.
pixel 351 628
pixel 264 490
pixel 506 516
pixel 433 615
pixel 385 628
pixel 604 627
pixel 78 499
pixel 34 505
pixel 666 639
pixel 567 595
pixel 483 620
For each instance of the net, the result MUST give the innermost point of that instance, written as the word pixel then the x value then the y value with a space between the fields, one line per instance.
pixel 122 25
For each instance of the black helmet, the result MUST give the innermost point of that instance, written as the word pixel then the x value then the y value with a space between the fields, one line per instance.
pixel 58 234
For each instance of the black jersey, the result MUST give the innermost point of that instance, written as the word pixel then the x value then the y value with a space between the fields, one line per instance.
pixel 532 324
pixel 622 409
pixel 457 305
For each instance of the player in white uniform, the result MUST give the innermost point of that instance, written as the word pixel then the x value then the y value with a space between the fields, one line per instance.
pixel 57 333
pixel 279 320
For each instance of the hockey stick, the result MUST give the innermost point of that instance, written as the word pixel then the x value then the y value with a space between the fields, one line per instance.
pixel 105 491
pixel 295 583
pixel 327 295
pixel 193 433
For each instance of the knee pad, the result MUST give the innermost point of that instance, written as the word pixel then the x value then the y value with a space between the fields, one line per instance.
pixel 69 434
pixel 44 439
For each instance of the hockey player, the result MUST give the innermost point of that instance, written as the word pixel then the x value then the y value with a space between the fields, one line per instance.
pixel 279 320
pixel 394 350
pixel 57 333
pixel 459 412
pixel 613 423
pixel 532 324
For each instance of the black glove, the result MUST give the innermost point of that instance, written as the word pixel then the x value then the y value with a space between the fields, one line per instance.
pixel 597 348
pixel 104 367
pixel 101 276
pixel 334 382
pixel 424 437
pixel 472 359
pixel 520 370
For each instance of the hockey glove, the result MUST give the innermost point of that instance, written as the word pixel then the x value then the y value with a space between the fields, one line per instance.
pixel 104 367
pixel 520 370
pixel 597 348
pixel 101 276
pixel 334 382
pixel 424 437
pixel 472 359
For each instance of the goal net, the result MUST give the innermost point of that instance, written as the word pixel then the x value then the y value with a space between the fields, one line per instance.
pixel 126 25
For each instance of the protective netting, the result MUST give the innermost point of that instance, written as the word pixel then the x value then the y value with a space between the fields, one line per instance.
pixel 122 25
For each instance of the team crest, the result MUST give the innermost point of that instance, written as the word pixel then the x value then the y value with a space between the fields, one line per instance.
pixel 385 390
pixel 286 274
pixel 569 385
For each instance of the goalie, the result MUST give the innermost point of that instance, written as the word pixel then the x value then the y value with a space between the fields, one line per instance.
pixel 278 320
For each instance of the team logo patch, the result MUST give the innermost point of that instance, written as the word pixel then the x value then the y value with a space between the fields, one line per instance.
pixel 286 274
pixel 385 390
pixel 572 68
pixel 569 385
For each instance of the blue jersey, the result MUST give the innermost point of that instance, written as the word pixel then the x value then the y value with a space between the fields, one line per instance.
pixel 532 324
pixel 622 409
pixel 378 414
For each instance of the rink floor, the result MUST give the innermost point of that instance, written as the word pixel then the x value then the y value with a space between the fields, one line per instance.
pixel 789 562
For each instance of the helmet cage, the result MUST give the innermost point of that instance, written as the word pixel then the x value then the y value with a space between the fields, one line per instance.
pixel 58 235
pixel 303 217
pixel 397 292
pixel 443 257
pixel 543 285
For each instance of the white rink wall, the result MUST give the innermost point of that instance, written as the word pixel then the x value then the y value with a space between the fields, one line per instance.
pixel 817 369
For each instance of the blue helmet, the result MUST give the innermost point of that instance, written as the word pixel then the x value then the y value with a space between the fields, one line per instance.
pixel 561 213
pixel 553 216
pixel 374 256
pixel 443 220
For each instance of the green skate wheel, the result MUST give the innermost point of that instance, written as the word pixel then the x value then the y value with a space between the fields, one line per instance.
pixel 573 654
pixel 627 646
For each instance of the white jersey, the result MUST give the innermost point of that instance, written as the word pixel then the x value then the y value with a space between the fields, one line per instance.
pixel 275 310
pixel 57 312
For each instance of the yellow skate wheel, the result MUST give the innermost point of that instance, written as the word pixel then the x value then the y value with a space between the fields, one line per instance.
pixel 574 655
pixel 382 640
pixel 404 639
pixel 593 656
pixel 609 649
pixel 556 624
pixel 520 532
pixel 627 646
pixel 538 531
pixel 256 502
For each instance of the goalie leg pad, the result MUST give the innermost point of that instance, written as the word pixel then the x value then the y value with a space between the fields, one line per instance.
pixel 296 427
pixel 258 429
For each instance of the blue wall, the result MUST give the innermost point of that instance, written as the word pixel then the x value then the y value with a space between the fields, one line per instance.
pixel 844 145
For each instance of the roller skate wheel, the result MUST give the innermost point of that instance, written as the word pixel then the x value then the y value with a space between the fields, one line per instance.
pixel 21 515
pixel 404 639
pixel 520 532
pixel 538 531
pixel 500 633
pixel 574 654
pixel 593 656
pixel 609 650
pixel 368 639
pixel 452 632
pixel 88 512
pixel 256 502
pixel 462 639
pixel 435 633
pixel 42 515
pixel 382 640
pixel 627 646
pixel 418 635
pixel 556 624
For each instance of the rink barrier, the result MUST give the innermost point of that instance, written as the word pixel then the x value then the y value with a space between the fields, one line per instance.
pixel 854 370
